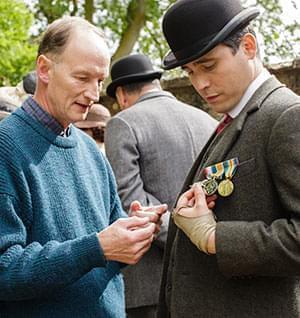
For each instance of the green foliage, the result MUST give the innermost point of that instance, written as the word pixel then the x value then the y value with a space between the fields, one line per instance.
pixel 112 15
pixel 280 40
pixel 16 51
pixel 51 10
pixel 151 39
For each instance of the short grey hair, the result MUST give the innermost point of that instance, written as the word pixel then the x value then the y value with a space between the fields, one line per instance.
pixel 57 35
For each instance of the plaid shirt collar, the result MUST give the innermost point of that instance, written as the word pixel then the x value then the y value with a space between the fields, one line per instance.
pixel 33 109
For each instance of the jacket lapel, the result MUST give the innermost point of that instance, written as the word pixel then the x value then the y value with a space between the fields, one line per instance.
pixel 219 145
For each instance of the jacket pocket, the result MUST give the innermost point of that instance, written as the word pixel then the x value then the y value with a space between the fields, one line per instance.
pixel 245 167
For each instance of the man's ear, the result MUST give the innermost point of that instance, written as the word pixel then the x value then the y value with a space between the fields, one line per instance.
pixel 249 45
pixel 121 97
pixel 43 68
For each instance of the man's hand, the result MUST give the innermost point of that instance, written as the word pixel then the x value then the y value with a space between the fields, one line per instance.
pixel 187 201
pixel 127 240
pixel 193 215
pixel 154 213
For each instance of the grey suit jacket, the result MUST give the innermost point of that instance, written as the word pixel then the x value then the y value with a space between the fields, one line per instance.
pixel 151 147
pixel 255 272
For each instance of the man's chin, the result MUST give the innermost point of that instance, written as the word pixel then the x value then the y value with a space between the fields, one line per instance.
pixel 221 108
pixel 216 108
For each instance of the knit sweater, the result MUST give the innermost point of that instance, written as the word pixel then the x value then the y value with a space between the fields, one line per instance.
pixel 56 193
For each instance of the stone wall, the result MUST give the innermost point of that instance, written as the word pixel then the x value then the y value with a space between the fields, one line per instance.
pixel 287 73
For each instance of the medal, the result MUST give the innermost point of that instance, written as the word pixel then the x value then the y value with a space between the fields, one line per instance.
pixel 210 186
pixel 225 188
pixel 219 178
pixel 213 173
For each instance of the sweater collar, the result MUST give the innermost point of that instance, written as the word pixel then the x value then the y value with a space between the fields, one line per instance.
pixel 33 109
pixel 47 133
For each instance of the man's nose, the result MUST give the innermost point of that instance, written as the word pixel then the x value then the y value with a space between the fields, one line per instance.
pixel 200 83
pixel 92 92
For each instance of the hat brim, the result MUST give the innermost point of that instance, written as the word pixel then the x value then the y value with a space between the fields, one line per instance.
pixel 89 124
pixel 241 19
pixel 111 88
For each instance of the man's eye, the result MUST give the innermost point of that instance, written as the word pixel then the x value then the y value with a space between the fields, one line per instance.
pixel 81 78
pixel 208 66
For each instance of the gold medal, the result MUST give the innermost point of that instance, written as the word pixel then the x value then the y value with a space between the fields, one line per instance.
pixel 219 177
pixel 225 188
pixel 210 186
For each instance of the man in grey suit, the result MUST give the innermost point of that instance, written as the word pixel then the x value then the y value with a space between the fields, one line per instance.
pixel 238 255
pixel 151 146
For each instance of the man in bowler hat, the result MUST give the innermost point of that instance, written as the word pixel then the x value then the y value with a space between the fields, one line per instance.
pixel 151 144
pixel 233 249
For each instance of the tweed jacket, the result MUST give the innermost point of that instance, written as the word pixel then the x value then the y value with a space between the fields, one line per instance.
pixel 255 272
pixel 151 147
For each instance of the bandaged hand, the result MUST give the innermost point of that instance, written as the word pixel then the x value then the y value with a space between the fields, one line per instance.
pixel 194 218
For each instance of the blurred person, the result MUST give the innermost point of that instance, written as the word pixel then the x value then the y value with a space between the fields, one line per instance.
pixel 95 123
pixel 29 82
pixel 233 248
pixel 6 108
pixel 151 144
pixel 16 95
pixel 63 233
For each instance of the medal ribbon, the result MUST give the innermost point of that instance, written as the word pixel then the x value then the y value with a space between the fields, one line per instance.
pixel 230 167
pixel 218 170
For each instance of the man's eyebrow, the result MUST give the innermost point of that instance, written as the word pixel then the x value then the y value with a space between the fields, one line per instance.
pixel 79 72
pixel 199 61
pixel 83 72
pixel 204 60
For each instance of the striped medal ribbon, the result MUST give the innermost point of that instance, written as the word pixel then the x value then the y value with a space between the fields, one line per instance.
pixel 215 173
pixel 226 186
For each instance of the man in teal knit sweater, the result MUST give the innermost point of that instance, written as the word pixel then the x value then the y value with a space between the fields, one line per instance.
pixel 63 234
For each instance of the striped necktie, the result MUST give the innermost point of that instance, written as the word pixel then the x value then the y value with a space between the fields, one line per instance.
pixel 226 121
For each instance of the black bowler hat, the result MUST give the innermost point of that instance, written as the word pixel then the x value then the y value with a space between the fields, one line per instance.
pixel 130 69
pixel 29 82
pixel 194 27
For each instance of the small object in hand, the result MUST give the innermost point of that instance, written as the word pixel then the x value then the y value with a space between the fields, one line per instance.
pixel 210 186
